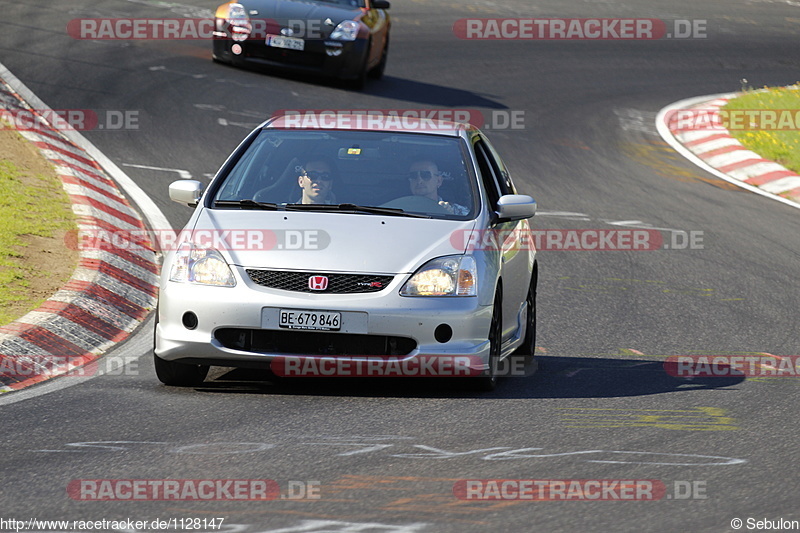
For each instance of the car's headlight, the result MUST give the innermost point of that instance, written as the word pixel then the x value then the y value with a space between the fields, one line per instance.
pixel 454 275
pixel 346 31
pixel 238 22
pixel 204 266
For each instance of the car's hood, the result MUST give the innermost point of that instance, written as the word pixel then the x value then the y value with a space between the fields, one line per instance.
pixel 282 11
pixel 330 242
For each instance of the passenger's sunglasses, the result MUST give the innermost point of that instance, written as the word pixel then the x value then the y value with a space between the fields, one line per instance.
pixel 314 175
pixel 424 175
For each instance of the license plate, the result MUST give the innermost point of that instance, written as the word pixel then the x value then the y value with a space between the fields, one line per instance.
pixel 290 43
pixel 299 319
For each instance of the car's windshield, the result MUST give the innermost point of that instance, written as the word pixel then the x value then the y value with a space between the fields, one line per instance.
pixel 413 172
pixel 346 3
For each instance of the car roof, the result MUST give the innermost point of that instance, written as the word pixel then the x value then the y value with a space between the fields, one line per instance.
pixel 368 121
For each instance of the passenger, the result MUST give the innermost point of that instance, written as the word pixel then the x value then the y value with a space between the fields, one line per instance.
pixel 425 179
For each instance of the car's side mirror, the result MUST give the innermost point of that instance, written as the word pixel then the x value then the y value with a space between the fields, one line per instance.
pixel 380 4
pixel 186 192
pixel 515 207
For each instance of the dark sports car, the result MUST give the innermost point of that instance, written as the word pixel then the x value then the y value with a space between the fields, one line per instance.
pixel 346 39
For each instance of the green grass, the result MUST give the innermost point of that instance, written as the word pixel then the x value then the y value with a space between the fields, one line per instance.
pixel 782 146
pixel 33 206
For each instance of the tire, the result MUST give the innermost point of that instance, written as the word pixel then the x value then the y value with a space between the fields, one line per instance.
pixel 360 81
pixel 358 84
pixel 177 374
pixel 527 349
pixel 377 71
pixel 488 381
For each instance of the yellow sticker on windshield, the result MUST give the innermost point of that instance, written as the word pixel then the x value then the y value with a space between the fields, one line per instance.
pixel 354 151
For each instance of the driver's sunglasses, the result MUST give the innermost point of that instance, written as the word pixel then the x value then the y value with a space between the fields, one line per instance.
pixel 315 175
pixel 425 175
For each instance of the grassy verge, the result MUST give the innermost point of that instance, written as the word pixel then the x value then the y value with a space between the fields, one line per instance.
pixel 779 145
pixel 35 214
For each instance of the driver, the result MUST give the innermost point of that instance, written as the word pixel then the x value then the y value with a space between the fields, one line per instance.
pixel 316 181
pixel 425 179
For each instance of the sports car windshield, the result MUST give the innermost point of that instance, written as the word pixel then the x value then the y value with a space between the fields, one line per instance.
pixel 334 171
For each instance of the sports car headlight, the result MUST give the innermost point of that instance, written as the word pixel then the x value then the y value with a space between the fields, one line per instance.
pixel 239 22
pixel 204 266
pixel 347 30
pixel 454 275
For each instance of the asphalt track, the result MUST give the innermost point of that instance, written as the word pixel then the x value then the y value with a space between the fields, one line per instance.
pixel 387 456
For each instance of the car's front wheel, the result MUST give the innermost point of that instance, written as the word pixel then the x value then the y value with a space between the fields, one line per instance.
pixel 528 346
pixel 488 381
pixel 179 374
pixel 377 71
pixel 360 81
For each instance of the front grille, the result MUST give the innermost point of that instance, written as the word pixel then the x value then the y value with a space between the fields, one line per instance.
pixel 337 283
pixel 306 58
pixel 313 342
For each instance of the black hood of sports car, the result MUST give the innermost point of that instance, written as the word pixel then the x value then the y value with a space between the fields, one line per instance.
pixel 283 11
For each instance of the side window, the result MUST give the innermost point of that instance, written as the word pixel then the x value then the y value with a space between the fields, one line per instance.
pixel 489 173
pixel 502 172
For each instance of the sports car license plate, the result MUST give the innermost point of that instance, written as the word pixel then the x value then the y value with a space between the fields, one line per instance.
pixel 290 43
pixel 299 319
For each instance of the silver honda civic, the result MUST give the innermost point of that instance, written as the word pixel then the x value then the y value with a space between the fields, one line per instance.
pixel 351 245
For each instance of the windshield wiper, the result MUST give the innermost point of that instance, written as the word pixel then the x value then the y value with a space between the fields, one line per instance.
pixel 246 204
pixel 353 208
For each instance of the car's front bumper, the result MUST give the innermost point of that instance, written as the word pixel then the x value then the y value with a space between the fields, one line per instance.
pixel 366 318
pixel 315 58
